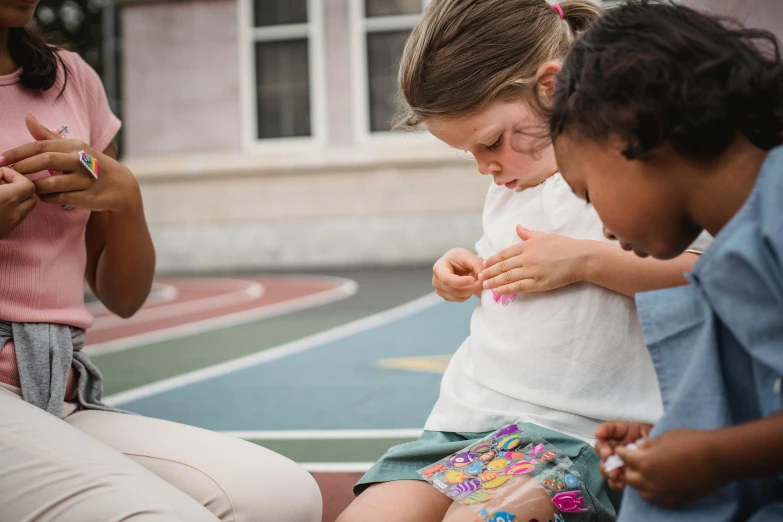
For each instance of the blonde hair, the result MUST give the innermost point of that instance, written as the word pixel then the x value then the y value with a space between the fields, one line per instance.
pixel 464 55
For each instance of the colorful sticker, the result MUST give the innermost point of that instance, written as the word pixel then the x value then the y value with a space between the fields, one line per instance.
pixel 460 490
pixel 90 163
pixel 478 497
pixel 569 502
pixel 504 299
pixel 455 476
pixel 497 464
pixel 485 474
pixel 549 455
pixel 428 473
pixel 496 483
pixel 499 516
pixel 538 448
pixel 510 442
pixel 521 468
pixel 481 447
pixel 488 456
pixel 554 483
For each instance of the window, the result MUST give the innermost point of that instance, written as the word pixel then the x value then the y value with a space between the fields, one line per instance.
pixel 281 62
pixel 381 29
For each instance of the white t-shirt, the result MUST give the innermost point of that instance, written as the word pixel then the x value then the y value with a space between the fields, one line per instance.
pixel 566 359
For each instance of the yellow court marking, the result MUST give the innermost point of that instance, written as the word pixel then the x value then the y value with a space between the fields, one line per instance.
pixel 427 363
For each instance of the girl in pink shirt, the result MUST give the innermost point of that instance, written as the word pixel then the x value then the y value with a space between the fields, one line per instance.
pixel 70 456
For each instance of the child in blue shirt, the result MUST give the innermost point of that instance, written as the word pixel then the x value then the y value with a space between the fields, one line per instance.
pixel 670 122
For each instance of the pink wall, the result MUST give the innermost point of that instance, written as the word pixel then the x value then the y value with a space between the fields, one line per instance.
pixel 180 71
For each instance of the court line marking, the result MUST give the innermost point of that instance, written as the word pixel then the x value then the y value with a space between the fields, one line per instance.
pixel 277 352
pixel 346 289
pixel 252 291
pixel 412 433
pixel 161 293
pixel 337 467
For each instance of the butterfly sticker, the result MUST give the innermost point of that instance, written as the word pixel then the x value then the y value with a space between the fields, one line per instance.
pixel 535 450
pixel 62 132
pixel 503 299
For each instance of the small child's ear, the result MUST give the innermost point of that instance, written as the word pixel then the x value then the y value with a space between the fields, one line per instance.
pixel 545 78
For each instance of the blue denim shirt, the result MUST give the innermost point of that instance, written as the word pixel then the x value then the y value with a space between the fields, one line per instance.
pixel 717 346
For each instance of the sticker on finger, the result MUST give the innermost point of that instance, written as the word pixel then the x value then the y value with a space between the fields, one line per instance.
pixel 90 163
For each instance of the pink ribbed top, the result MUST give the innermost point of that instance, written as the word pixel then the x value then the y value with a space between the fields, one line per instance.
pixel 42 262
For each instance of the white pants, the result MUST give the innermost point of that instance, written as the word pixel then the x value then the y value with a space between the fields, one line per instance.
pixel 95 466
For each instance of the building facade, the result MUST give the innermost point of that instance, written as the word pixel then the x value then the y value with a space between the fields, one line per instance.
pixel 259 131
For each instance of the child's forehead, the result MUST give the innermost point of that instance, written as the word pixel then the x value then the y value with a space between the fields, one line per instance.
pixel 463 133
pixel 466 131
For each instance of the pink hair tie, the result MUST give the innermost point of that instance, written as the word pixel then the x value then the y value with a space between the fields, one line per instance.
pixel 559 10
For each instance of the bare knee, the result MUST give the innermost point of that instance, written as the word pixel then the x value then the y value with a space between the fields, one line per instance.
pixel 409 500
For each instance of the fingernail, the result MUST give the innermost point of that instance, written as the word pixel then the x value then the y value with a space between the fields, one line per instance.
pixel 481 276
pixel 485 263
pixel 486 284
pixel 2 160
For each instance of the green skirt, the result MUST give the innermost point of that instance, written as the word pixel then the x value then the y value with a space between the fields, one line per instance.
pixel 402 462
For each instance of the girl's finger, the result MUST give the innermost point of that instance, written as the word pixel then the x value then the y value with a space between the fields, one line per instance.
pixel 519 287
pixel 35 148
pixel 456 281
pixel 27 206
pixel 515 273
pixel 634 479
pixel 22 188
pixel 459 293
pixel 58 161
pixel 631 457
pixel 507 253
pixel 38 131
pixel 501 268
pixel 77 199
pixel 451 284
pixel 471 263
pixel 617 485
pixel 446 296
pixel 62 183
pixel 616 430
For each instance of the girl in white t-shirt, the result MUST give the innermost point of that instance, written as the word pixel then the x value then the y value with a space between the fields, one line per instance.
pixel 554 344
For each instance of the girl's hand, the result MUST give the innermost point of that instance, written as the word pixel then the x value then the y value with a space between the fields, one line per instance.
pixel 455 275
pixel 539 263
pixel 16 200
pixel 115 189
pixel 614 434
pixel 674 468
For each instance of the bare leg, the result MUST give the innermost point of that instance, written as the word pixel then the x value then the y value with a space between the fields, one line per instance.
pixel 528 500
pixel 408 500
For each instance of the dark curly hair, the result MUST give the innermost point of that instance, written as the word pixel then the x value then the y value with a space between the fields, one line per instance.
pixel 652 73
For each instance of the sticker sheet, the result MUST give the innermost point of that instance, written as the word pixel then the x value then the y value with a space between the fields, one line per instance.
pixel 503 477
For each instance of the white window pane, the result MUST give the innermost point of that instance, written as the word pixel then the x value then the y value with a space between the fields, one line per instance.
pixel 283 80
pixel 391 7
pixel 384 50
pixel 276 12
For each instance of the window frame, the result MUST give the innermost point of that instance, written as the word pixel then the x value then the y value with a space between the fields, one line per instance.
pixel 249 35
pixel 361 26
